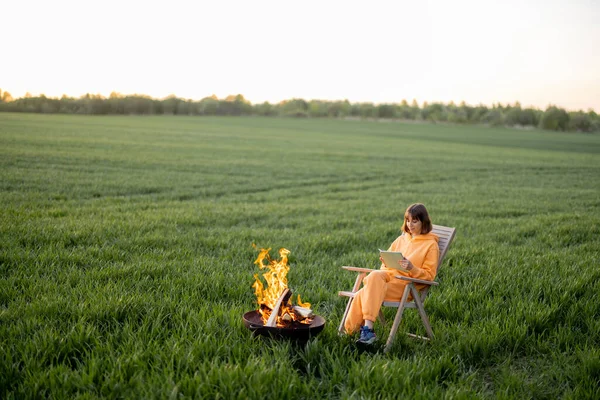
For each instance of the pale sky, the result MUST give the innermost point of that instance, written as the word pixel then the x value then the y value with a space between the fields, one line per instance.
pixel 478 51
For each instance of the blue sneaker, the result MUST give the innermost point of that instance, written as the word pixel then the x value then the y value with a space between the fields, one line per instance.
pixel 367 336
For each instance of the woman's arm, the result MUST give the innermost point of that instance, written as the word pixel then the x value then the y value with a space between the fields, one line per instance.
pixel 429 268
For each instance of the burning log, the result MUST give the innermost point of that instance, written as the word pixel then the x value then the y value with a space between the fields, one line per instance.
pixel 283 298
pixel 303 312
pixel 294 330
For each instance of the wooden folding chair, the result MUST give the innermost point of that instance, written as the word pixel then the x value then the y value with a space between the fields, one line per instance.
pixel 446 235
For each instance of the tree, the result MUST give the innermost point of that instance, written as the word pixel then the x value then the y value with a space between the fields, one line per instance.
pixel 368 110
pixel 293 108
pixel 594 119
pixel 580 122
pixel 415 110
pixel 355 110
pixel 209 105
pixel 434 112
pixel 5 97
pixel 170 104
pixel 338 109
pixel 404 111
pixel 317 108
pixel 513 117
pixel 242 106
pixel 494 117
pixel 554 119
pixel 265 109
pixel 386 111
pixel 234 105
pixel 116 103
pixel 478 113
pixel 183 108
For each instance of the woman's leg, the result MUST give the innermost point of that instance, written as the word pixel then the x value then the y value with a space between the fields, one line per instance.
pixel 367 301
pixel 354 319
pixel 395 290
pixel 375 291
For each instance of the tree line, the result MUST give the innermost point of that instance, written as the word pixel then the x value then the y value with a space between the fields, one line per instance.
pixel 552 118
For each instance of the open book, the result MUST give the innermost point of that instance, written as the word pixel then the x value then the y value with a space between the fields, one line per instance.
pixel 391 258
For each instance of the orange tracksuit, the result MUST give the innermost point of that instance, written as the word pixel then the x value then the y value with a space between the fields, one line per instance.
pixel 379 286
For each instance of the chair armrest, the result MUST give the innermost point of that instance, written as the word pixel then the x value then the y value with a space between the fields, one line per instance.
pixel 415 280
pixel 358 269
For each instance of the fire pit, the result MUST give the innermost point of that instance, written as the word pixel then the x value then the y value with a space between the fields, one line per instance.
pixel 293 330
pixel 276 316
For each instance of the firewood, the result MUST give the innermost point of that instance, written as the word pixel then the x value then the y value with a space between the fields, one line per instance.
pixel 286 317
pixel 283 298
pixel 303 311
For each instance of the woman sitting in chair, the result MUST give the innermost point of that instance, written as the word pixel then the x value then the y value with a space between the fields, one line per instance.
pixel 420 250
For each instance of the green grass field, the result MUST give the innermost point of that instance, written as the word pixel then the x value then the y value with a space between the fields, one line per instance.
pixel 126 258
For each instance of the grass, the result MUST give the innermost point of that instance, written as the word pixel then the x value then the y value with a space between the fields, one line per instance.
pixel 126 257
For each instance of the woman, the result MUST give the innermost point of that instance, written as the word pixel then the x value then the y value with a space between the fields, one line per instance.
pixel 421 252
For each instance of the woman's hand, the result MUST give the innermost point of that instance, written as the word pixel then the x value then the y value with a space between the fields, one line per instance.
pixel 406 264
pixel 381 258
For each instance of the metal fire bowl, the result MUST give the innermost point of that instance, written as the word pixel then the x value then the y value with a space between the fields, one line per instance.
pixel 295 330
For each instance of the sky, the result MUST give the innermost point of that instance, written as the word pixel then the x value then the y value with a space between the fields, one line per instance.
pixel 478 51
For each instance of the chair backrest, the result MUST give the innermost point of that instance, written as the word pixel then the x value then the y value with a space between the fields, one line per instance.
pixel 446 235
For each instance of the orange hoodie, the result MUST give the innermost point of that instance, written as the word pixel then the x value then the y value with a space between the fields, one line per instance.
pixel 422 251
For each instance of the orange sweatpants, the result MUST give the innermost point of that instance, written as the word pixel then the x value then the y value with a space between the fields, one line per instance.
pixel 378 286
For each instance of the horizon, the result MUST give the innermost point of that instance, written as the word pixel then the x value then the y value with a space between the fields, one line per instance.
pixel 421 105
pixel 431 52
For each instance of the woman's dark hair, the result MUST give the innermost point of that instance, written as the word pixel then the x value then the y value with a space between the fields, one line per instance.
pixel 419 212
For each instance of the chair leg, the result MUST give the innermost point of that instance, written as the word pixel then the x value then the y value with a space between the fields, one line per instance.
pixel 341 329
pixel 422 313
pixel 398 318
pixel 355 288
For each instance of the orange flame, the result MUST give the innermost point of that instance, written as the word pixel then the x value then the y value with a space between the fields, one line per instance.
pixel 276 280
pixel 301 304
